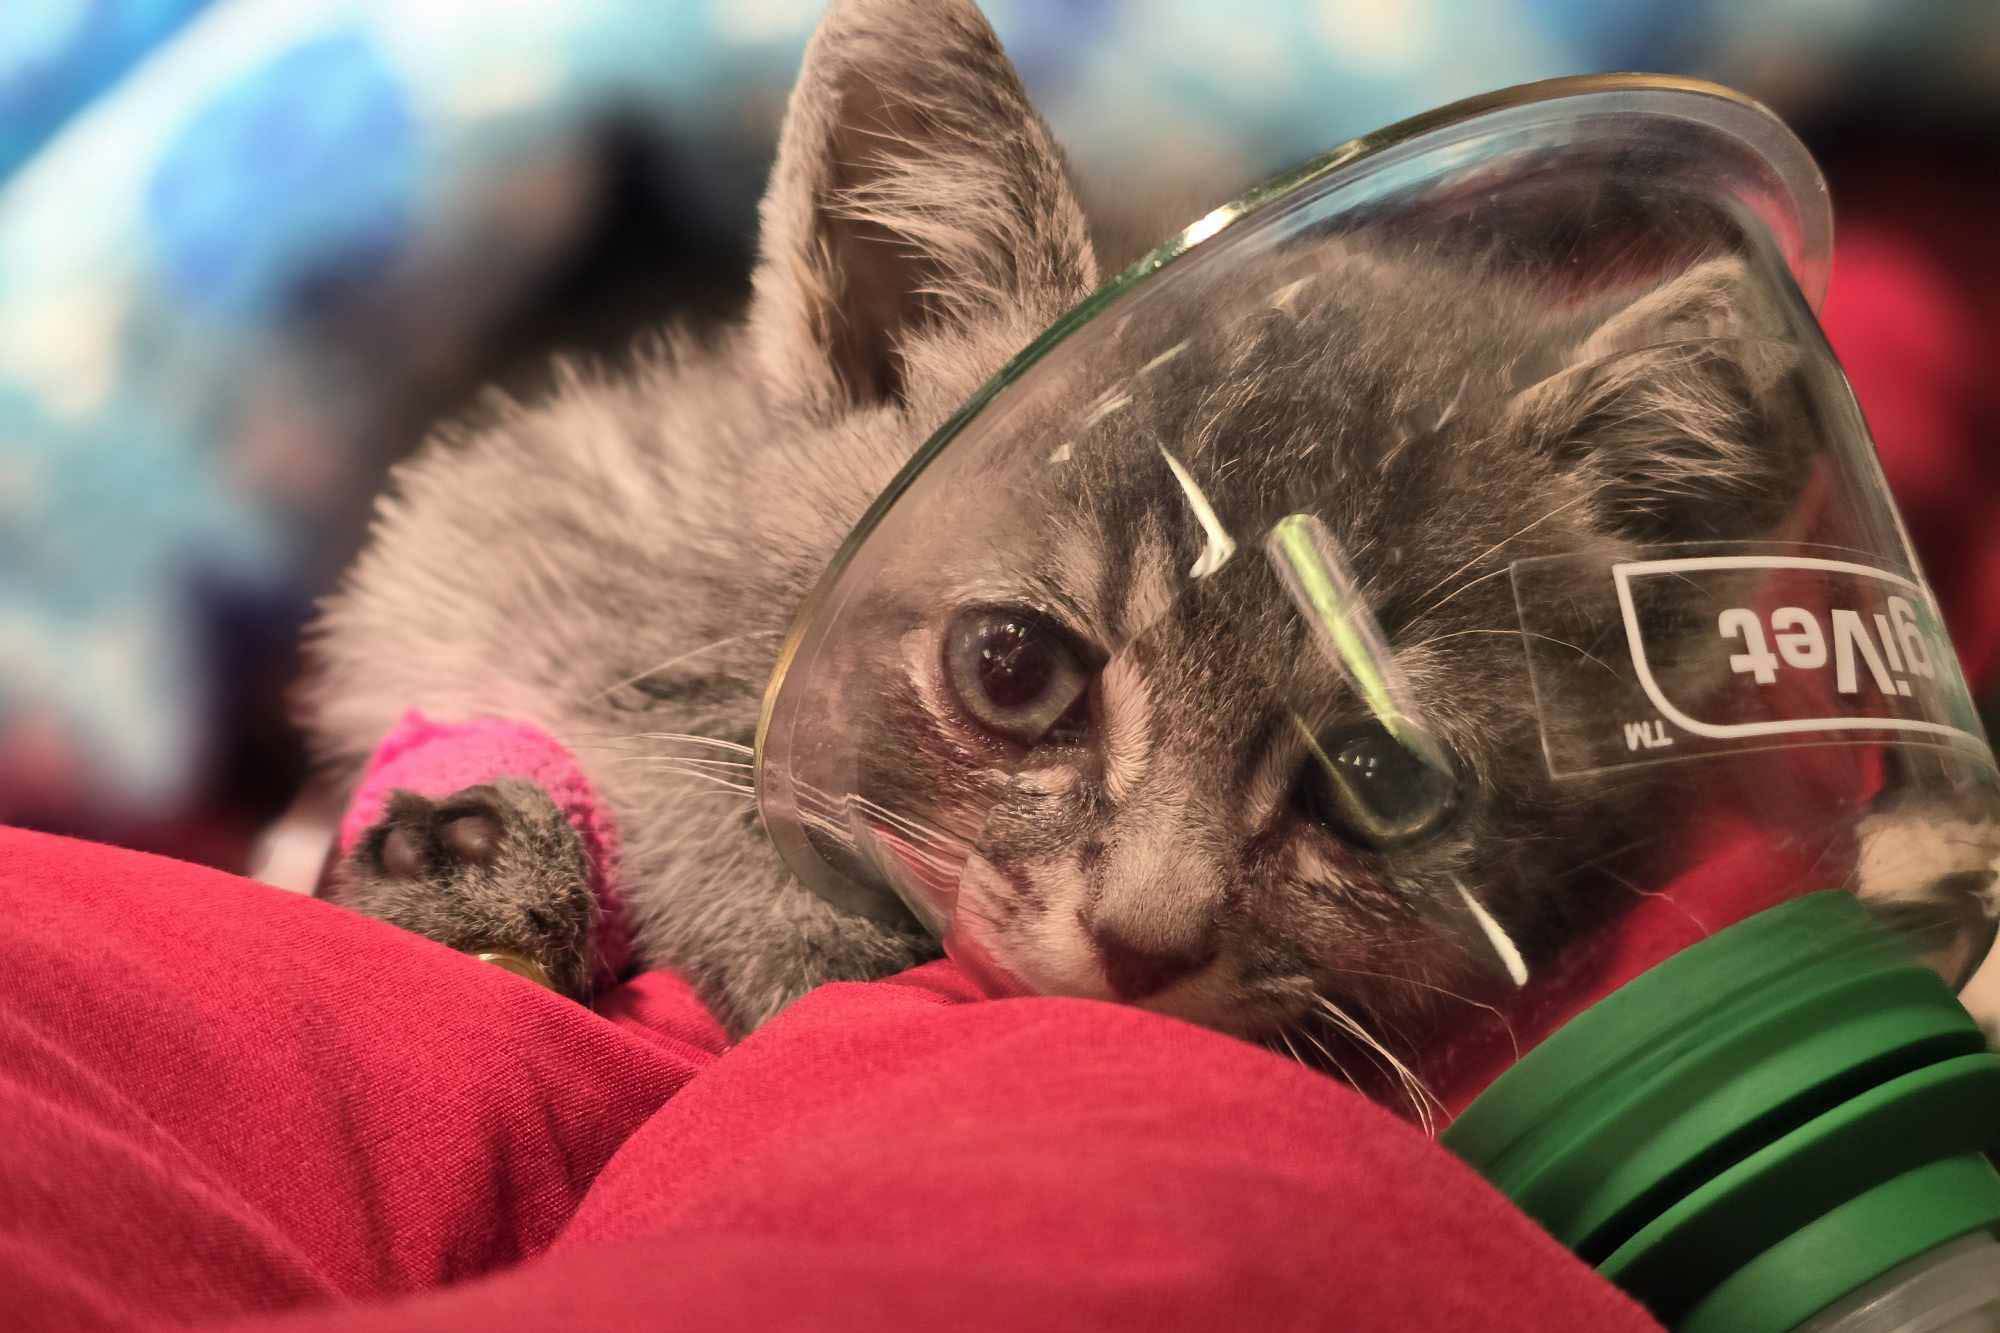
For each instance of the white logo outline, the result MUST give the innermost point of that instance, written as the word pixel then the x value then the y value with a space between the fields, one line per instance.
pixel 1622 575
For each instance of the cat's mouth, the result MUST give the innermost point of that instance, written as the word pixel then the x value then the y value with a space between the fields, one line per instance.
pixel 1006 951
pixel 1017 951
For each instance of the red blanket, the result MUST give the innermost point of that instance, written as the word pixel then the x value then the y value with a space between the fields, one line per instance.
pixel 223 1102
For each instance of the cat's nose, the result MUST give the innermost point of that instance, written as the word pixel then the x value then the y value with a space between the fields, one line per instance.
pixel 1135 972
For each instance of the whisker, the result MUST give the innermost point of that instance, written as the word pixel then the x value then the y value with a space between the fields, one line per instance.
pixel 684 738
pixel 1664 895
pixel 813 808
pixel 1622 850
pixel 908 825
pixel 667 768
pixel 731 766
pixel 1286 1037
pixel 1448 994
pixel 1453 634
pixel 1521 531
pixel 1584 653
pixel 930 859
pixel 1532 634
pixel 1463 587
pixel 904 824
pixel 1320 1046
pixel 837 832
pixel 1420 1096
pixel 650 739
pixel 705 777
pixel 673 662
pixel 931 850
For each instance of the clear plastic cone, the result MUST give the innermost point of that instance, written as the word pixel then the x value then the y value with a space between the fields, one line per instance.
pixel 1412 603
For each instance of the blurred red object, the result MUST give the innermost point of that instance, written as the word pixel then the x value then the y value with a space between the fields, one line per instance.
pixel 1914 315
pixel 231 1103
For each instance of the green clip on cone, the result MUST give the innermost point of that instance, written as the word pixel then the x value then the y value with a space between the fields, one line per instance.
pixel 1756 1128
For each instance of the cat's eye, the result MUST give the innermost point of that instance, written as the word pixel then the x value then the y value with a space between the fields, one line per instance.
pixel 1017 674
pixel 1367 787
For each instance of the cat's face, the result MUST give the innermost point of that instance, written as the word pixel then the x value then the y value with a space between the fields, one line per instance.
pixel 1083 708
pixel 1126 760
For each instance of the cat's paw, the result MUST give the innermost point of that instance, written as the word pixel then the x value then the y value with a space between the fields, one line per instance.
pixel 494 868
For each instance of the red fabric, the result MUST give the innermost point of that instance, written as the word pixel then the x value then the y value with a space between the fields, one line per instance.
pixel 1912 315
pixel 223 1101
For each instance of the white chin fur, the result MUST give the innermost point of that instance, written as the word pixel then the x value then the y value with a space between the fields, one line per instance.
pixel 1050 954
pixel 1047 950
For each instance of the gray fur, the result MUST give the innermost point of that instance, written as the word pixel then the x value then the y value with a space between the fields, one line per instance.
pixel 619 565
pixel 1183 843
pixel 540 564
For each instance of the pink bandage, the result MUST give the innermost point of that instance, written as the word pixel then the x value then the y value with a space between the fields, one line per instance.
pixel 437 759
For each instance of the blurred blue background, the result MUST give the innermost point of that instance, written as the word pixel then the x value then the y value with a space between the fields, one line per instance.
pixel 251 250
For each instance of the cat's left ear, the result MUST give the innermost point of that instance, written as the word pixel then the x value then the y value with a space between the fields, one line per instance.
pixel 1671 407
pixel 916 191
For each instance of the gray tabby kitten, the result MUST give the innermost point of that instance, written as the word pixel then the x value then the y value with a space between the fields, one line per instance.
pixel 618 566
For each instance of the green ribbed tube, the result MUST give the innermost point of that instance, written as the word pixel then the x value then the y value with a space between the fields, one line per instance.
pixel 1756 1127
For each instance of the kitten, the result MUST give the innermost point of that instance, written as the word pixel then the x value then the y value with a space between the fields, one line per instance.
pixel 620 564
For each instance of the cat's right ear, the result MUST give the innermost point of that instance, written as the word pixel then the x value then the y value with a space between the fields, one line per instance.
pixel 916 192
pixel 1669 406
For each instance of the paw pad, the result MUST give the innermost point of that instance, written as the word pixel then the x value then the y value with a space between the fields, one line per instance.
pixel 464 831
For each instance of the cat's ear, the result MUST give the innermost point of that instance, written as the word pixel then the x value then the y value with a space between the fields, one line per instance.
pixel 1671 407
pixel 915 190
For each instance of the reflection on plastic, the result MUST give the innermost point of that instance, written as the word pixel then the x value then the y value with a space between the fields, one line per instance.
pixel 1585 627
pixel 1308 563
